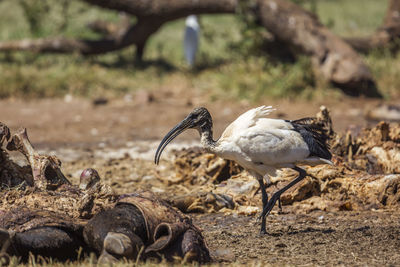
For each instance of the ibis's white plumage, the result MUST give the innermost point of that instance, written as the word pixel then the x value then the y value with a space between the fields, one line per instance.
pixel 263 145
pixel 191 39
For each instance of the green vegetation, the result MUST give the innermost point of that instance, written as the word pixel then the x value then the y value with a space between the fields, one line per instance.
pixel 228 64
pixel 351 18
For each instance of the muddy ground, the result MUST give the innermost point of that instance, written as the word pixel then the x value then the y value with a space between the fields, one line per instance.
pixel 119 139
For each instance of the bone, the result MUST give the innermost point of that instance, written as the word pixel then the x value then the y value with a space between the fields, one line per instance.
pixel 45 169
pixel 4 134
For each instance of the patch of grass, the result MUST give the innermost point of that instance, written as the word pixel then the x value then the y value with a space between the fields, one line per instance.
pixel 49 76
pixel 222 69
pixel 385 66
pixel 258 77
pixel 351 18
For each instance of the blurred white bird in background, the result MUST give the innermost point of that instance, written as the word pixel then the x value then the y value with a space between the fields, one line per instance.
pixel 191 39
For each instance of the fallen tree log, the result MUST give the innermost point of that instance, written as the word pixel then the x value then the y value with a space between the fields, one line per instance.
pixel 385 36
pixel 110 29
pixel 169 10
pixel 136 34
pixel 334 60
pixel 151 15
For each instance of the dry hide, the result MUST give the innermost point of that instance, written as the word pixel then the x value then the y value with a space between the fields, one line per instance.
pixel 41 184
pixel 365 175
pixel 40 212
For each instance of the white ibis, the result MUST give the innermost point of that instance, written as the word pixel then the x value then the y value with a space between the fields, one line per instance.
pixel 261 145
pixel 191 39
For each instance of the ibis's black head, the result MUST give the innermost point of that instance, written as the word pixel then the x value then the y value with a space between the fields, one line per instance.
pixel 199 119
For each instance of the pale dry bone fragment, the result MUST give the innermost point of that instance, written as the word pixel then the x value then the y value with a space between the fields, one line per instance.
pixel 45 169
pixel 11 174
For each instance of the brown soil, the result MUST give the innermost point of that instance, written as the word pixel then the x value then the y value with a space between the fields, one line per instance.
pixel 118 139
pixel 318 238
pixel 56 122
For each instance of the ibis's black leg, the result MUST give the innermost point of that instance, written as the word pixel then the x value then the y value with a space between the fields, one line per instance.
pixel 276 196
pixel 264 198
pixel 279 204
pixel 265 202
pixel 268 184
pixel 264 195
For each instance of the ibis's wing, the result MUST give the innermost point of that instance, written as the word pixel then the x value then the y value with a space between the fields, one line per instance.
pixel 255 114
pixel 247 120
pixel 272 146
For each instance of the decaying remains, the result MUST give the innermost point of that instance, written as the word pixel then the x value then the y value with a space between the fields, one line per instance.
pixel 42 213
pixel 43 171
pixel 141 220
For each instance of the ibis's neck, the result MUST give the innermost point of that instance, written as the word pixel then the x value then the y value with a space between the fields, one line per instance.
pixel 206 135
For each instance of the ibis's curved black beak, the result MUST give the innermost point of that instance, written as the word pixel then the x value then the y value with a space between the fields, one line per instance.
pixel 178 129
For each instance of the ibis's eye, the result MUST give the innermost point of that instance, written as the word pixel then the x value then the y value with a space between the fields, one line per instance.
pixel 194 117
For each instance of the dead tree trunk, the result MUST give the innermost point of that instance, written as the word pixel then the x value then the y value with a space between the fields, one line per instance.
pixel 136 34
pixel 151 15
pixel 167 9
pixel 334 60
pixel 385 36
pixel 302 32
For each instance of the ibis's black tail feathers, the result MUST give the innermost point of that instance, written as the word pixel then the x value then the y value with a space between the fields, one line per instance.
pixel 315 136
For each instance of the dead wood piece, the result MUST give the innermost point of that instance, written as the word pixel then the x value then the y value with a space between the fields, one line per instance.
pixel 385 36
pixel 111 29
pixel 151 15
pixel 104 27
pixel 172 9
pixel 133 35
pixel 333 58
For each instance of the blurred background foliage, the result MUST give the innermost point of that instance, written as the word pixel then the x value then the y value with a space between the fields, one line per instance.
pixel 231 62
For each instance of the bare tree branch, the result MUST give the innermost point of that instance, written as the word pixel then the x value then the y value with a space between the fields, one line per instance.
pixel 385 36
pixel 111 29
pixel 151 16
pixel 334 59
pixel 135 34
pixel 171 9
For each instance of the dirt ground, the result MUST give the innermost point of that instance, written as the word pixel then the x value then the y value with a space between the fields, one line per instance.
pixel 148 116
pixel 319 238
pixel 119 139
